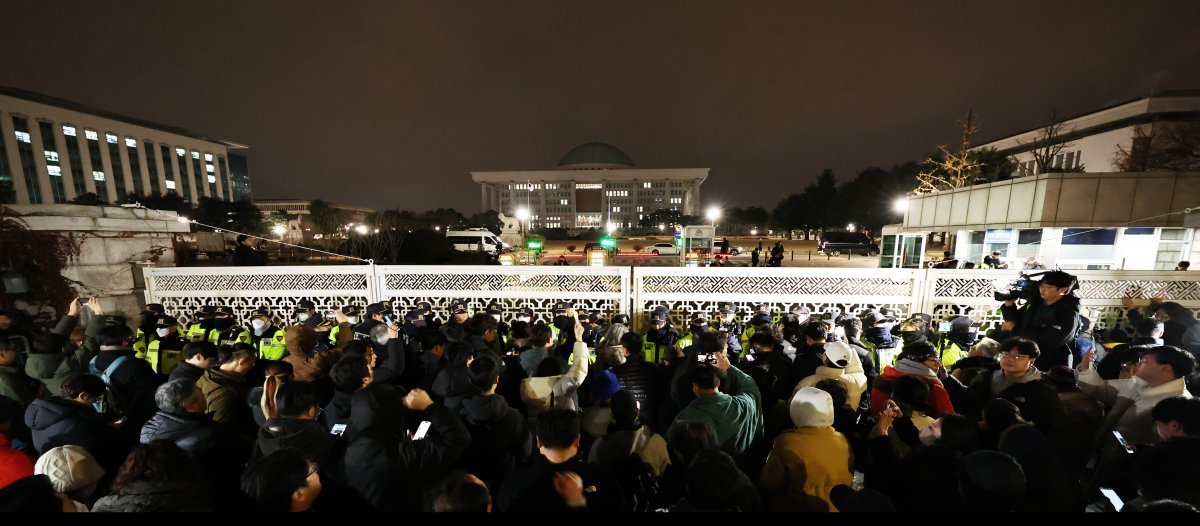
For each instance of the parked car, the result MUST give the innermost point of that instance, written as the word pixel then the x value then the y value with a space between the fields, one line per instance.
pixel 476 240
pixel 838 243
pixel 662 249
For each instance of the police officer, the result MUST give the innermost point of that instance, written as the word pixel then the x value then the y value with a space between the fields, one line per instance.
pixel 697 326
pixel 227 331
pixel 353 316
pixel 496 311
pixel 431 319
pixel 726 320
pixel 306 314
pixel 563 327
pixel 198 330
pixel 661 337
pixel 760 322
pixel 456 329
pixel 145 330
pixel 266 337
pixel 165 350
pixel 525 315
pixel 956 344
pixel 379 313
pixel 593 329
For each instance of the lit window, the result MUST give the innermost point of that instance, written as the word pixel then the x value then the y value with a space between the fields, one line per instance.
pixel 212 179
pixel 23 136
pixel 180 152
pixel 208 157
pixel 195 155
pixel 645 185
pixel 91 135
pixel 69 131
pixel 209 168
pixel 110 138
pixel 170 184
pixel 640 209
pixel 131 142
pixel 616 209
pixel 51 156
pixel 54 170
pixel 97 176
pixel 589 186
pixel 563 202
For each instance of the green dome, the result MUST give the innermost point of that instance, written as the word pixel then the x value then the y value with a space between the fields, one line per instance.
pixel 595 155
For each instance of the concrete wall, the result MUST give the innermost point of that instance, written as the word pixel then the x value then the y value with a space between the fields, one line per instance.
pixel 114 244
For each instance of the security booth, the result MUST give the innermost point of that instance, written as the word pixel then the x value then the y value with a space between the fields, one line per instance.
pixel 696 244
pixel 902 249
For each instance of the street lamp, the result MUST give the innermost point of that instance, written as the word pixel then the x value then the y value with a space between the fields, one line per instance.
pixel 522 219
pixel 611 227
pixel 279 230
pixel 850 227
pixel 713 214
pixel 900 205
pixel 361 229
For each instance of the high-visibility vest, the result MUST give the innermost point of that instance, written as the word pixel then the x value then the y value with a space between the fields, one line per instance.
pixel 216 337
pixel 165 361
pixel 950 352
pixel 652 352
pixel 197 333
pixel 273 347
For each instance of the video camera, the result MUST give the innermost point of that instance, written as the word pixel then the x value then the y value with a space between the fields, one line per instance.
pixel 1023 288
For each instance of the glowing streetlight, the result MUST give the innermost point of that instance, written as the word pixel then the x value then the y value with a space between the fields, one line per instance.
pixel 713 214
pixel 850 227
pixel 361 229
pixel 900 205
pixel 279 230
pixel 523 214
pixel 754 231
pixel 661 227
pixel 611 227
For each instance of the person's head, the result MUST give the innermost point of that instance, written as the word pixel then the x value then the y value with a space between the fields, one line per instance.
pixel 762 342
pixel 1056 284
pixel 433 341
pixel 631 345
pixel 6 321
pixel 72 470
pixel 1183 265
pixel 687 438
pixel 351 374
pixel 484 372
pixel 853 327
pixel 985 347
pixel 836 389
pixel 558 430
pixel 237 359
pixel 459 313
pixel 47 344
pixel 9 352
pixel 460 492
pixel 180 396
pixel 1149 328
pixel 816 333
pixel 705 379
pixel 911 393
pixel 115 336
pixel 243 239
pixel 1176 417
pixel 1168 469
pixel 159 461
pixel 1172 311
pixel 1163 364
pixel 260 319
pixel 1000 414
pixel 83 388
pixel 542 337
pixel 280 369
pixel 958 432
pixel 299 400
pixel 484 326
pixel 615 333
pixel 991 481
pixel 624 408
pixel 708 479
pixel 1017 355
pixel 202 354
pixel 10 413
pixel 921 352
pixel 550 366
pixel 713 341
pixel 283 481
pixel 459 353
pixel 360 349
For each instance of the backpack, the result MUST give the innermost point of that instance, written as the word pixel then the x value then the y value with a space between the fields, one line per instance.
pixel 638 485
pixel 110 401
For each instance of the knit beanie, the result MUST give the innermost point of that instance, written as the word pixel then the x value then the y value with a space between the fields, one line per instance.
pixel 69 468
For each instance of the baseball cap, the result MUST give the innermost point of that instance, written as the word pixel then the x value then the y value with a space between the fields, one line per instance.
pixel 377 308
pixel 458 306
pixel 561 306
pixel 699 320
pixel 224 311
pixel 659 313
pixel 837 355
pixel 874 317
pixel 623 319
pixel 525 311
pixel 724 307
pixel 305 305
pixel 156 308
pixel 165 321
pixel 350 310
pixel 425 307
pixel 414 314
pixel 258 313
pixel 495 308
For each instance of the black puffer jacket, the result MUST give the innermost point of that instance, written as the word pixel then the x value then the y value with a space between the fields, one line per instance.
pixel 134 381
pixel 1051 326
pixel 307 437
pixel 196 435
pixel 59 422
pixel 143 496
pixel 641 380
pixel 500 438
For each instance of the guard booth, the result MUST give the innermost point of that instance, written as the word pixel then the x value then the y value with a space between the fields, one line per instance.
pixel 901 250
pixel 696 245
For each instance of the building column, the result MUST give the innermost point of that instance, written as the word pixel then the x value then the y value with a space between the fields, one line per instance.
pixel 14 158
pixel 106 161
pixel 64 161
pixel 159 168
pixel 197 193
pixel 204 162
pixel 123 152
pixel 143 165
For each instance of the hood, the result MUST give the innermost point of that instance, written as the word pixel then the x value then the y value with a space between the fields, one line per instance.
pixel 811 407
pixel 907 366
pixel 628 441
pixel 1000 383
pixel 45 413
pixel 530 358
pixel 484 409
pixel 300 340
pixel 292 433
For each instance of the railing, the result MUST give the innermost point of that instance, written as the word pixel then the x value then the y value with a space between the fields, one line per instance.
pixel 635 290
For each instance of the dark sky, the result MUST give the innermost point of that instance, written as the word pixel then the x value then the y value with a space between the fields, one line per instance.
pixel 392 104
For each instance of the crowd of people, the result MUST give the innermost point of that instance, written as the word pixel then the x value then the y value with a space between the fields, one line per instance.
pixel 373 409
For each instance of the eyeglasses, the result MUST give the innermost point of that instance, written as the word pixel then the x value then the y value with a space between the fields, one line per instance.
pixel 1014 355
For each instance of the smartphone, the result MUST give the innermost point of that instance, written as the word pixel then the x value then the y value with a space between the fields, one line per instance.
pixel 83 301
pixel 337 430
pixel 388 320
pixel 422 430
pixel 1121 440
pixel 701 358
pixel 944 326
pixel 1113 498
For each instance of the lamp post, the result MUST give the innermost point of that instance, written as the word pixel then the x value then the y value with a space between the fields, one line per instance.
pixel 522 218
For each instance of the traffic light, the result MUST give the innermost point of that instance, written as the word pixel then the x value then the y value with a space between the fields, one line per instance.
pixel 534 244
pixel 608 243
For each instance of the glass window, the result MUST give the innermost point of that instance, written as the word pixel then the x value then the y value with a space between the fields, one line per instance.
pixel 8 190
pixel 197 174
pixel 152 167
pixel 1089 236
pixel 170 184
pixel 135 166
pixel 1139 231
pixel 1173 234
pixel 93 146
pixel 118 171
pixel 98 176
pixel 1029 242
pixel 208 157
pixel 131 142
pixel 68 131
pixel 91 135
pixel 168 166
pixel 112 139
pixel 26 155
pixel 50 149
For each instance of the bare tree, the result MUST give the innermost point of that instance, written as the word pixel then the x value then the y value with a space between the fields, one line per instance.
pixel 1169 146
pixel 951 170
pixel 1048 143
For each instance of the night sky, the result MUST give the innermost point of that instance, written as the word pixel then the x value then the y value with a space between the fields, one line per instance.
pixel 392 104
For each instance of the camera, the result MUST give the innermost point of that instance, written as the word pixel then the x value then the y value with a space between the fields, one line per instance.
pixel 1023 288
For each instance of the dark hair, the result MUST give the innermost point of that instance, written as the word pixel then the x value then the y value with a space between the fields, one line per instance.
pixel 687 438
pixel 484 371
pixel 1147 326
pixel 347 375
pixel 540 336
pixel 558 428
pixel 47 344
pixel 836 389
pixel 1182 363
pixel 853 326
pixel 1186 411
pixel 911 392
pixel 8 344
pixel 294 398
pixel 242 238
pixel 550 366
pixel 34 493
pixel 959 433
pixel 816 331
pixel 431 338
pixel 231 353
pixel 1176 311
pixel 713 341
pixel 1022 346
pixel 632 342
pixel 9 409
pixel 275 367
pixel 704 376
pixel 270 481
pixel 1060 280
pixel 708 478
pixel 76 385
pixel 918 352
pixel 1000 414
pixel 458 493
pixel 114 335
pixel 206 349
pixel 481 323
pixel 459 353
pixel 1184 264
pixel 1168 469
pixel 356 348
pixel 157 461
pixel 762 339
pixel 624 407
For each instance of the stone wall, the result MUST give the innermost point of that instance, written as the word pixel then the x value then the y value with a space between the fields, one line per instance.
pixel 114 244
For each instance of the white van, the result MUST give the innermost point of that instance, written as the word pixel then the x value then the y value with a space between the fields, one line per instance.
pixel 476 240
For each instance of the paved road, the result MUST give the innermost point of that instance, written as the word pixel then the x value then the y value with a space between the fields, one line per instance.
pixel 797 253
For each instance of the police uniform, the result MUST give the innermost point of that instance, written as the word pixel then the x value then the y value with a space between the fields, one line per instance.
pixel 562 335
pixel 523 312
pixel 145 332
pixel 198 330
pixel 455 331
pixel 697 326
pixel 164 352
pixel 363 330
pixel 760 322
pixel 658 340
pixel 227 332
pixel 351 311
pixel 270 343
pixel 726 321
pixel 309 310
pixel 431 320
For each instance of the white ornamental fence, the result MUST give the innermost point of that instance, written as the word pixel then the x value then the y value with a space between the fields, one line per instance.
pixel 635 290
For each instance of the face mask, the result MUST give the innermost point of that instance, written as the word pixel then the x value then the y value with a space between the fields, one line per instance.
pixel 912 337
pixel 223 323
pixel 523 318
pixel 352 319
pixel 258 324
pixel 162 333
pixel 497 317
pixel 303 317
pixel 562 322
pixel 928 435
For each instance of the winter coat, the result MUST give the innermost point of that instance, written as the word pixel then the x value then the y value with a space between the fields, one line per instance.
pixel 500 437
pixel 307 437
pixel 337 411
pixel 53 369
pixel 307 364
pixel 225 394
pixel 543 393
pixel 640 379
pixel 804 465
pixel 196 434
pixel 852 376
pixel 1037 400
pixel 531 488
pixel 60 422
pixel 736 417
pixel 134 382
pixel 1051 326
pixel 881 392
pixel 1131 402
pixel 452 385
pixel 772 371
pixel 186 371
pixel 638 440
pixel 141 496
pixel 15 385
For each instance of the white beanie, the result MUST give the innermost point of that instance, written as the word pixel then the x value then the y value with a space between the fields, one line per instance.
pixel 811 407
pixel 69 468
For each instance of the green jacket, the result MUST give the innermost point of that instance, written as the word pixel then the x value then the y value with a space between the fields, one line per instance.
pixel 53 369
pixel 14 384
pixel 736 417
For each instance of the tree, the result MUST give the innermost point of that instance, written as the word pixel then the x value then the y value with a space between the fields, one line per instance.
pixel 171 201
pixel 1168 146
pixel 1048 143
pixel 994 166
pixel 948 170
pixel 326 219
pixel 88 199
pixel 662 216
pixel 240 216
pixel 447 218
pixel 489 220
